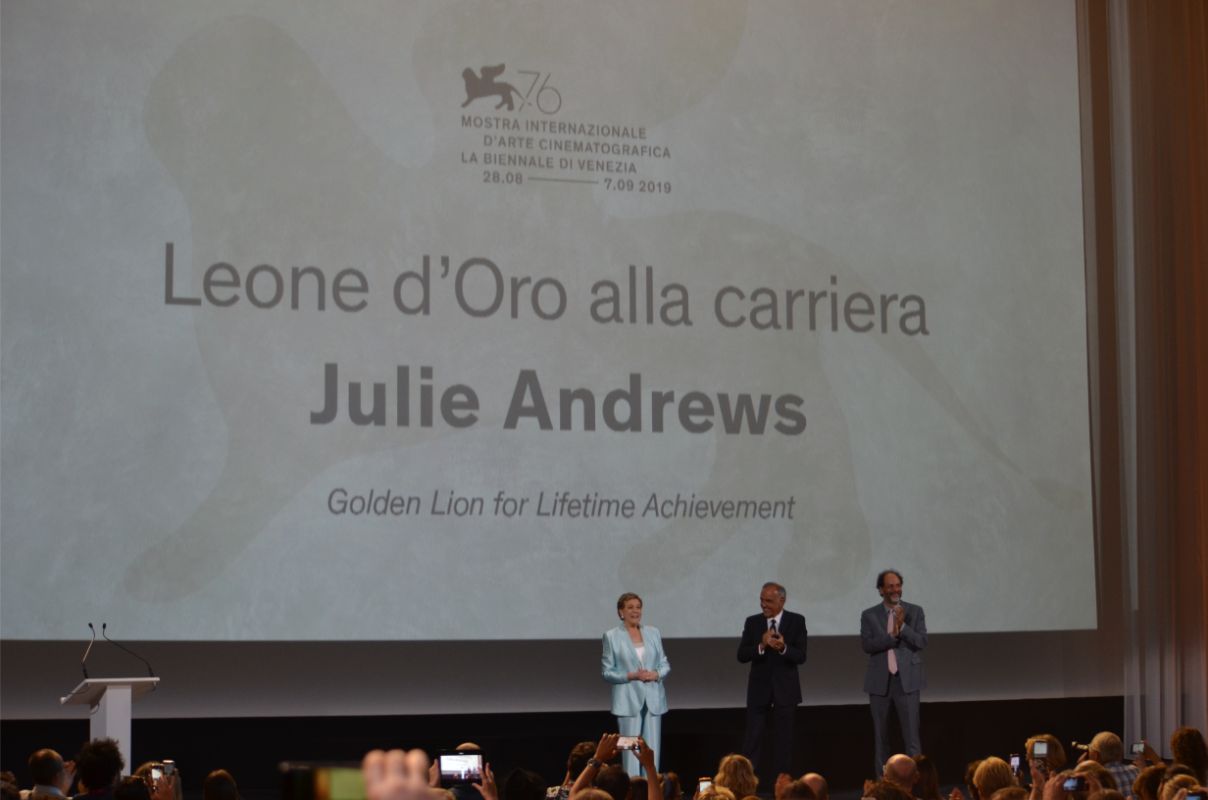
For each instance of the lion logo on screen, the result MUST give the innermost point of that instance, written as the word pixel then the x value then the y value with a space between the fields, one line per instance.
pixel 483 84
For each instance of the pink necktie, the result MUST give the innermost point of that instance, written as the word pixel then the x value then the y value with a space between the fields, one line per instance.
pixel 893 657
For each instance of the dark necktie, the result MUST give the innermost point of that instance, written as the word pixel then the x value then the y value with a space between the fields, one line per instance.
pixel 773 625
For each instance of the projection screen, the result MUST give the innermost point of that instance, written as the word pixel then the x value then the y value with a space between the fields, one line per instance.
pixel 455 320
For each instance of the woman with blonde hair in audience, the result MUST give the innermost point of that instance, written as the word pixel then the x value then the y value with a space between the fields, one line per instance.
pixel 736 774
pixel 992 774
pixel 1172 787
pixel 1103 777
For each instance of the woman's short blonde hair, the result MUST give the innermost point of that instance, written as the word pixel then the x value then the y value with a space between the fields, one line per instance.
pixel 736 774
pixel 992 774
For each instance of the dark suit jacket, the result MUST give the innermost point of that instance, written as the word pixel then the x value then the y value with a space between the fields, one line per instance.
pixel 908 648
pixel 773 677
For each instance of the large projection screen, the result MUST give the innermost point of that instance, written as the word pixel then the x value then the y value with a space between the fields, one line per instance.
pixel 453 321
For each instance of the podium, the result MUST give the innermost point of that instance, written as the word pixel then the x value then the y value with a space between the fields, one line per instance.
pixel 110 700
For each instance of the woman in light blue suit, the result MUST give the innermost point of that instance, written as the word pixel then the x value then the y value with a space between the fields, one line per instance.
pixel 635 664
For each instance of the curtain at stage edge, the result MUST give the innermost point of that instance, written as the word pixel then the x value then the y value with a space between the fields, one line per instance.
pixel 1144 90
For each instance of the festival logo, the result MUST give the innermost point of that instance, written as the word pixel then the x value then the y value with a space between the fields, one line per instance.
pixel 533 147
pixel 537 94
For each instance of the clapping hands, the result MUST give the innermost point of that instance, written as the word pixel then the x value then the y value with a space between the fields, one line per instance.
pixel 396 775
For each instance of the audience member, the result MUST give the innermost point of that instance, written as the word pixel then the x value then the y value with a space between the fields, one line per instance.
pixel 901 771
pixel 1102 777
pixel 166 787
pixel 575 762
pixel 796 790
pixel 1010 793
pixel 818 784
pixel 52 776
pixel 523 784
pixel 970 787
pixel 614 780
pixel 638 788
pixel 219 785
pixel 991 775
pixel 1056 758
pixel 1107 749
pixel 1178 769
pixel 1172 786
pixel 99 765
pixel 927 785
pixel 1148 781
pixel 1187 746
pixel 132 787
pixel 671 786
pixel 884 790
pixel 736 773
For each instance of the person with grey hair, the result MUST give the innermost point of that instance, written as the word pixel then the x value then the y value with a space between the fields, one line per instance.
pixel 773 643
pixel 1107 749
pixel 893 635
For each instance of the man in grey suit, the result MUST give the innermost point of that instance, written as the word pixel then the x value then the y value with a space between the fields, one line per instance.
pixel 894 634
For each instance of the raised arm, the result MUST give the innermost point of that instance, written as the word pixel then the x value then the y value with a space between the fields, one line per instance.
pixel 606 750
pixel 654 784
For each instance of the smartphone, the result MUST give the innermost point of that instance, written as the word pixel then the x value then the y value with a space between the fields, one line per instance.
pixel 157 772
pixel 1138 748
pixel 169 766
pixel 457 769
pixel 301 781
pixel 703 785
pixel 1195 796
pixel 1040 749
pixel 1074 783
pixel 1015 763
pixel 628 743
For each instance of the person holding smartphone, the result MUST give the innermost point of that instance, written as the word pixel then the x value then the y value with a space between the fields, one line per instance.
pixel 634 663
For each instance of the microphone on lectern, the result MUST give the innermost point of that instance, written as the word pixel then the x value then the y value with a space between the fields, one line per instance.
pixel 88 650
pixel 123 648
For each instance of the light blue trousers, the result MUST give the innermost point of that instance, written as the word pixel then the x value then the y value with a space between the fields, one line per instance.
pixel 650 728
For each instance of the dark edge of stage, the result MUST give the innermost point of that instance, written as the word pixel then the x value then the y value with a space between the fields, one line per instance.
pixel 833 740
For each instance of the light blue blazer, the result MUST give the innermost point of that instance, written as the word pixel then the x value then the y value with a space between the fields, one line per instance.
pixel 621 658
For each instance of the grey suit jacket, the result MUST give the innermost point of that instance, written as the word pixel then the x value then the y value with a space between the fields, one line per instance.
pixel 908 648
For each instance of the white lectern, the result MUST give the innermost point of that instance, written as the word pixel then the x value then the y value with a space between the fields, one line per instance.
pixel 110 700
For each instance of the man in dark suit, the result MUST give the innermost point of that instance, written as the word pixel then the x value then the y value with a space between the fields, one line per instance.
pixel 893 635
pixel 773 642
